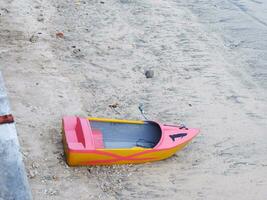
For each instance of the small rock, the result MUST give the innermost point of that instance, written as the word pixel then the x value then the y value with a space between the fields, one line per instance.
pixel 114 105
pixel 76 51
pixel 33 38
pixel 25 153
pixel 53 192
pixel 3 10
pixel 35 165
pixel 56 152
pixel 149 73
pixel 32 173
pixel 102 2
pixel 40 18
pixel 31 126
pixel 6 10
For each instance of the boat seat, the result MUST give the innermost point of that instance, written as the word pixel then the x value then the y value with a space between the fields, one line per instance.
pixel 98 139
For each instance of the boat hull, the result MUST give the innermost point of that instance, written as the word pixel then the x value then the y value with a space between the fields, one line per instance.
pixel 104 156
pixel 118 156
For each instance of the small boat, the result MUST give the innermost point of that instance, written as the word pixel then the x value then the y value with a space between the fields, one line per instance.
pixel 100 141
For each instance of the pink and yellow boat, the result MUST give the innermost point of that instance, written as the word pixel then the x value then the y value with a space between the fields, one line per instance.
pixel 99 141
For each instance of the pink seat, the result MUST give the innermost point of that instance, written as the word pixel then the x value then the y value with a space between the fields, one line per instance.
pixel 78 133
pixel 80 136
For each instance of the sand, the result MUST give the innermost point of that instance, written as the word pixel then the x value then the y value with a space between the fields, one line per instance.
pixel 76 57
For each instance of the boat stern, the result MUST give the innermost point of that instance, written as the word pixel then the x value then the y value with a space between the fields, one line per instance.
pixel 78 138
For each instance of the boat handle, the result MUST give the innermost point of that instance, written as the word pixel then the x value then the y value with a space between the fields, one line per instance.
pixel 178 135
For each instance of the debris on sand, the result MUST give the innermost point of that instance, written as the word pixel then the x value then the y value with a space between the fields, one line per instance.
pixel 40 18
pixel 76 51
pixel 3 11
pixel 114 105
pixel 60 35
pixel 51 192
pixel 33 38
pixel 32 173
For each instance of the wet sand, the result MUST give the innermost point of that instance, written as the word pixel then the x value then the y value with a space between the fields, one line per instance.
pixel 209 65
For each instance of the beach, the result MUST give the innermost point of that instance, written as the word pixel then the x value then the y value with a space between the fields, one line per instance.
pixel 77 57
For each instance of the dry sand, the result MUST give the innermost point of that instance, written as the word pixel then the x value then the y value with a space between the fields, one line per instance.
pixel 204 77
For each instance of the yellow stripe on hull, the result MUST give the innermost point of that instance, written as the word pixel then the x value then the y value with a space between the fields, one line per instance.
pixel 115 120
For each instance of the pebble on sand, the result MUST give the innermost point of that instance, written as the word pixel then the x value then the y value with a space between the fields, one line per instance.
pixel 149 73
pixel 40 18
pixel 33 39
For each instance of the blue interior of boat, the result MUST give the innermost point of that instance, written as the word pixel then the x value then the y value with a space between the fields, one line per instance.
pixel 122 135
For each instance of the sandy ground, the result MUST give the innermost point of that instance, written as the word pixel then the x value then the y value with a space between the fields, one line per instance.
pixel 209 60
